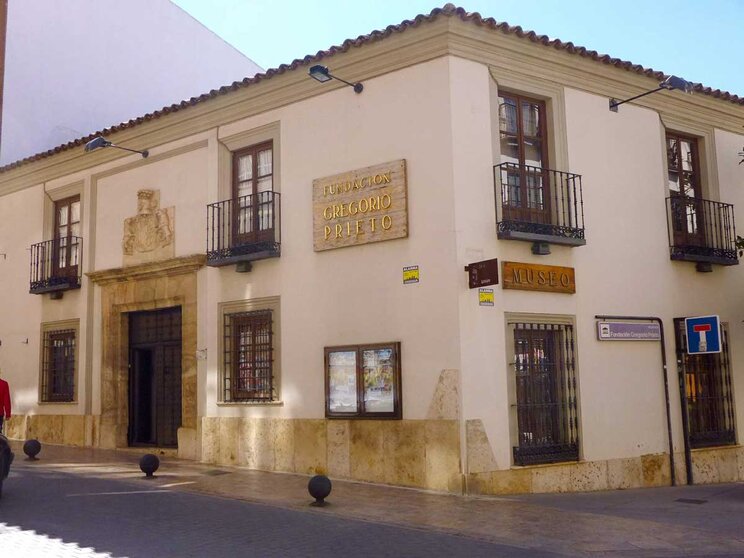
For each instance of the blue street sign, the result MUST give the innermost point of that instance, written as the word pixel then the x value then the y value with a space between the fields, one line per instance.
pixel 703 335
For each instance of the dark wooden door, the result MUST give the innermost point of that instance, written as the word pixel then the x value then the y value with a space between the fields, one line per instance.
pixel 155 377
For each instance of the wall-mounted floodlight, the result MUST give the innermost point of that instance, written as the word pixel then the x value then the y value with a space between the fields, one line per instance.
pixel 98 142
pixel 670 83
pixel 322 74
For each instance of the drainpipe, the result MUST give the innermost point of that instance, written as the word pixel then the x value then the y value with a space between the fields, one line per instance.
pixel 666 392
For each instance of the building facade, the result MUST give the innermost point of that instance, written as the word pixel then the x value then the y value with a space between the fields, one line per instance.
pixel 301 278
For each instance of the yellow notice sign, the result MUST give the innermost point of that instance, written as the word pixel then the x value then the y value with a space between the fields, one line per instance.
pixel 485 297
pixel 410 274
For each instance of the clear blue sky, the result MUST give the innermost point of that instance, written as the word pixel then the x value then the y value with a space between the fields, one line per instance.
pixel 701 41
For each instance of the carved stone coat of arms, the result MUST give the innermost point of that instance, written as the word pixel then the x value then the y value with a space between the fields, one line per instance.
pixel 148 236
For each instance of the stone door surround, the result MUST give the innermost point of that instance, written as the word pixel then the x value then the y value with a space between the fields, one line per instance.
pixel 148 286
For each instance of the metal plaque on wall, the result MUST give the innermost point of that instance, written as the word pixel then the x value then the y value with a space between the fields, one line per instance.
pixel 482 274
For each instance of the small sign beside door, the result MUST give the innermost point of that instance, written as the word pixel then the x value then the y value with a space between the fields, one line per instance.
pixel 482 274
pixel 628 331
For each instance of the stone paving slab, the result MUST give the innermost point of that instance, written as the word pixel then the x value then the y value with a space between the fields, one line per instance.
pixel 637 522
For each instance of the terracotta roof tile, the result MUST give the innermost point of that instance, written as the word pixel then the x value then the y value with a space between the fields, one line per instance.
pixel 446 10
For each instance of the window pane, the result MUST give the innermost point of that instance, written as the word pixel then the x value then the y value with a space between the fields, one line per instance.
pixel 533 152
pixel 509 149
pixel 75 212
pixel 507 116
pixel 342 386
pixel 265 163
pixel 245 167
pixel 686 152
pixel 531 124
pixel 62 215
pixel 379 380
pixel 265 184
pixel 673 181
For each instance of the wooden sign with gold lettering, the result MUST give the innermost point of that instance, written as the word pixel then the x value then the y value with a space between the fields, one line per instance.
pixel 361 206
pixel 536 277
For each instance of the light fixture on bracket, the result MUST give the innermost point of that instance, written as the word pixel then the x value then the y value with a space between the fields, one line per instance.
pixel 99 141
pixel 322 74
pixel 671 83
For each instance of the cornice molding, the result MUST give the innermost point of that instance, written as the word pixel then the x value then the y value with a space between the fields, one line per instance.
pixel 443 36
pixel 508 53
pixel 150 270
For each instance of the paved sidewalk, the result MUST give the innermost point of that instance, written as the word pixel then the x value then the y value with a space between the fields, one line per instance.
pixel 691 521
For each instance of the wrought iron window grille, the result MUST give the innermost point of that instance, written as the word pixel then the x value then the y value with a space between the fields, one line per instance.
pixel 58 366
pixel 249 357
pixel 546 393
pixel 708 391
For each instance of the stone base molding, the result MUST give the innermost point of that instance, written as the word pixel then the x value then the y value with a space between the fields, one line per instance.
pixel 713 465
pixel 413 453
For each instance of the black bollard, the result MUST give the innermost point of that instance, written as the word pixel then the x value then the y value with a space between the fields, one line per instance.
pixel 319 488
pixel 31 448
pixel 149 464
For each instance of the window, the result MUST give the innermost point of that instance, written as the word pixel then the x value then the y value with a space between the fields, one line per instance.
pixel 524 148
pixel 253 185
pixel 683 169
pixel 249 356
pixel 708 390
pixel 534 203
pixel 545 393
pixel 363 381
pixel 66 246
pixel 58 366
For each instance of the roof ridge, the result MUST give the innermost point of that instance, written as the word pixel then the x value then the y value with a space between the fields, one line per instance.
pixel 449 10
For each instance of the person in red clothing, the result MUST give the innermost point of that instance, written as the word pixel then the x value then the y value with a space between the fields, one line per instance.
pixel 4 402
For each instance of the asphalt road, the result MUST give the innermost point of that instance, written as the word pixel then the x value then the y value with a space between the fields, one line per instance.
pixel 57 514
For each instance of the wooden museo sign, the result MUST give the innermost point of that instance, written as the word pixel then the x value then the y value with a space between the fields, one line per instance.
pixel 535 277
pixel 361 206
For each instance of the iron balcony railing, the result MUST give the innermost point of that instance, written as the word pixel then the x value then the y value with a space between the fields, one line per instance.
pixel 701 230
pixel 243 229
pixel 56 265
pixel 539 205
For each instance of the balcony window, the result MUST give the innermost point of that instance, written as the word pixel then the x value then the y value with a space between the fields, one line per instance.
pixel 536 204
pixel 55 264
pixel 700 230
pixel 246 227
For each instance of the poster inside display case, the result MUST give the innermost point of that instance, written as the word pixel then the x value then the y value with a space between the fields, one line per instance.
pixel 379 380
pixel 342 385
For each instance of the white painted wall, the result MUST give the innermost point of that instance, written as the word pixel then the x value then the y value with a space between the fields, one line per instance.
pixel 623 269
pixel 75 67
